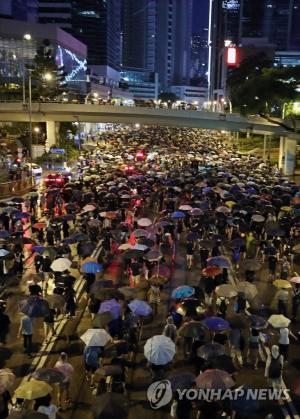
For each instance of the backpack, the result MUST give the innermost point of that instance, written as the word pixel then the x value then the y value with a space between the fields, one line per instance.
pixel 275 368
pixel 223 307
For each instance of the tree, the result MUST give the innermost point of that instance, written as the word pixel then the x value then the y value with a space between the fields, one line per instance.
pixel 47 77
pixel 168 97
pixel 258 89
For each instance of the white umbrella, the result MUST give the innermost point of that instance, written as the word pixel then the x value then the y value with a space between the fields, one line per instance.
pixel 144 222
pixel 125 246
pixel 278 321
pixel 185 208
pixel 61 264
pixel 258 218
pixel 141 247
pixel 88 208
pixel 248 289
pixel 226 290
pixel 159 350
pixel 96 337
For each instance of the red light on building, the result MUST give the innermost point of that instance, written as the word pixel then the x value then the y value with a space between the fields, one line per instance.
pixel 231 56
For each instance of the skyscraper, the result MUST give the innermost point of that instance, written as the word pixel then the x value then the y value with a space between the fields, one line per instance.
pixel 138 29
pixel 19 9
pixel 173 41
pixel 96 23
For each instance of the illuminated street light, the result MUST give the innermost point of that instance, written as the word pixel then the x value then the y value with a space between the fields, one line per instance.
pixel 27 37
pixel 137 126
pixel 36 129
pixel 48 76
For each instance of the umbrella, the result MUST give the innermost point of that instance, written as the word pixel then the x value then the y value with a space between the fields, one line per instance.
pixel 99 285
pixel 110 406
pixel 178 214
pixel 146 242
pixel 48 251
pixel 297 248
pixel 215 323
pixel 251 265
pixel 159 350
pixel 223 209
pixel 35 306
pixel 50 375
pixel 214 379
pixel 61 264
pixel 140 308
pixel 181 381
pixel 278 321
pixel 3 253
pixel 91 267
pixel 245 406
pixel 96 337
pixel 102 319
pixel 185 208
pixel 211 351
pixel 125 246
pixel 144 222
pixel 191 307
pixel 7 379
pixel 141 247
pixel 19 215
pixel 18 200
pixel 258 322
pixel 140 233
pixel 226 290
pixel 248 289
pixel 153 256
pixel 183 292
pixel 295 279
pixel 4 234
pixel 224 363
pixel 56 301
pixel 211 271
pixel 88 208
pixel 132 254
pixel 258 218
pixel 112 306
pixel 192 329
pixel 116 348
pixel 33 389
pixel 220 261
pixel 282 283
pixel 39 226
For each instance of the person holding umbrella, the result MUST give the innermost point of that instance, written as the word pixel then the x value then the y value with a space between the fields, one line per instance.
pixel 91 356
pixel 295 301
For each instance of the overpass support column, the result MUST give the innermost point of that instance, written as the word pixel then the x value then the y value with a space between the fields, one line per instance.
pixel 287 155
pixel 51 132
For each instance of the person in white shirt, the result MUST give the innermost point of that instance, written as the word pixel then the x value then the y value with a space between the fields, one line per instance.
pixel 284 341
pixel 67 369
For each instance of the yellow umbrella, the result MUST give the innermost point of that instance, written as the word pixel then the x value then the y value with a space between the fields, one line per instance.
pixel 286 209
pixel 33 389
pixel 230 204
pixel 282 283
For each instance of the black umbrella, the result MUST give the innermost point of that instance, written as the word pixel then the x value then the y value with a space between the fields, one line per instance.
pixel 110 406
pixel 35 306
pixel 85 248
pixel 133 253
pixel 223 362
pixel 211 351
pixel 116 348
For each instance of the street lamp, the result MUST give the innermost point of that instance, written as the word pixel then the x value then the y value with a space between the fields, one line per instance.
pixel 26 37
pixel 48 76
pixel 137 125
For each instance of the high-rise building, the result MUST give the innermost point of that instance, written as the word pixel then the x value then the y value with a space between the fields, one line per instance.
pixel 138 34
pixel 96 23
pixel 199 53
pixel 250 22
pixel 19 9
pixel 173 42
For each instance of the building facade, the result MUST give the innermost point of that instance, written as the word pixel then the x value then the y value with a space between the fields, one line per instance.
pixel 17 52
pixel 143 84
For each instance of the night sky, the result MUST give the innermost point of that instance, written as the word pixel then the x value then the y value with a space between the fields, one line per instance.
pixel 200 14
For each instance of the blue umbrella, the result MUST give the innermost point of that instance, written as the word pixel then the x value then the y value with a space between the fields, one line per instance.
pixel 35 307
pixel 220 261
pixel 19 215
pixel 215 323
pixel 38 249
pixel 112 306
pixel 4 234
pixel 69 240
pixel 91 267
pixel 183 292
pixel 258 322
pixel 140 308
pixel 206 189
pixel 178 214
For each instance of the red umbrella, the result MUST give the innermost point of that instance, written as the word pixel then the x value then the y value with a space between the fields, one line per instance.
pixel 216 379
pixel 211 271
pixel 39 225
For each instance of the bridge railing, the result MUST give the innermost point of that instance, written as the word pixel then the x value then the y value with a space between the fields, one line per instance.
pixel 16 187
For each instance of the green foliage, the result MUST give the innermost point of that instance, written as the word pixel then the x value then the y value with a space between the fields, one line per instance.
pixel 168 97
pixel 44 64
pixel 256 88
